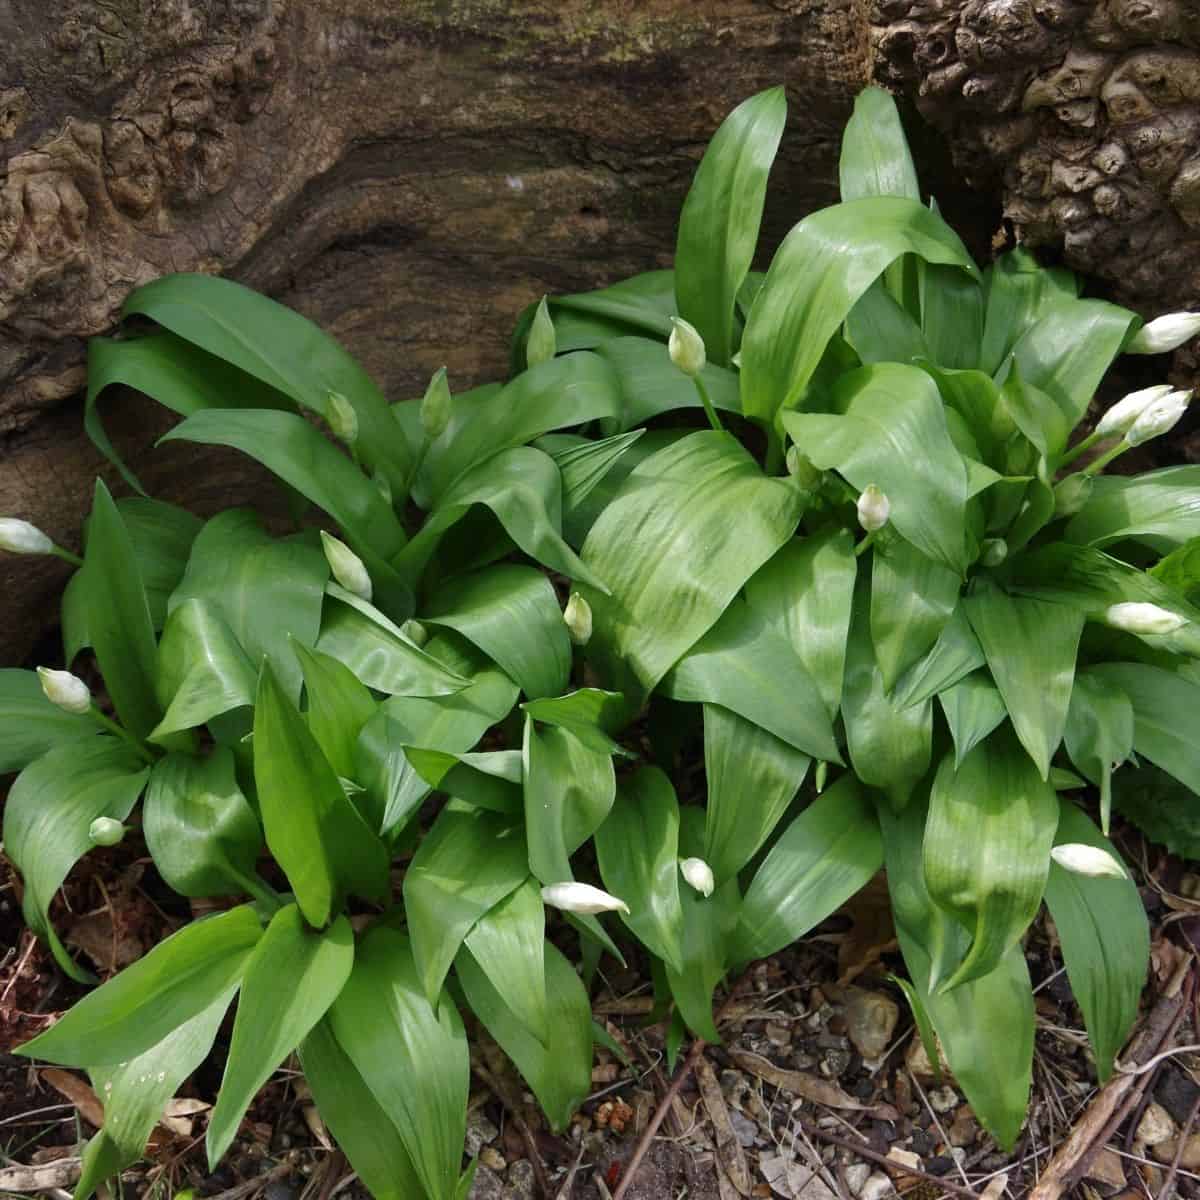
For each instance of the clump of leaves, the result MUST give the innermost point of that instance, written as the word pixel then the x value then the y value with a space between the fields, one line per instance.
pixel 874 559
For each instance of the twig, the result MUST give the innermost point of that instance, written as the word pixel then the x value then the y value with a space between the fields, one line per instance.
pixel 1184 1133
pixel 45 1177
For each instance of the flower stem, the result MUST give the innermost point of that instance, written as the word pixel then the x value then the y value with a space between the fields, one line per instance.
pixel 710 412
pixel 1069 456
pixel 865 544
pixel 1094 468
pixel 66 555
pixel 142 752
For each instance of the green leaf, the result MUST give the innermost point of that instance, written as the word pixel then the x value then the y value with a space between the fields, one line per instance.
pixel 339 706
pixel 987 849
pixel 583 463
pixel 30 725
pixel 753 777
pixel 1180 570
pixel 744 665
pixel 813 283
pixel 881 330
pixel 200 829
pixel 638 851
pixel 363 1128
pixel 641 304
pixel 589 713
pixel 48 813
pixel 134 1011
pixel 1160 508
pixel 466 864
pixel 1046 420
pixel 490 780
pixel 412 1055
pixel 1164 809
pixel 511 613
pixel 559 1072
pixel 651 384
pixel 951 316
pixel 709 501
pixel 805 592
pixel 1030 647
pixel 954 656
pixel 313 831
pixel 973 708
pixel 891 430
pixel 875 159
pixel 718 225
pixel 1105 941
pixel 1019 292
pixel 824 856
pixel 1099 733
pixel 294 974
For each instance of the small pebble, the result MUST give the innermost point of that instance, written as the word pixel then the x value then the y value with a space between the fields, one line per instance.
pixel 278 1190
pixel 877 1186
pixel 480 1131
pixel 1156 1125
pixel 870 1020
pixel 857 1175
pixel 943 1100
pixel 834 1063
pixel 778 1034
pixel 491 1158
pixel 1189 1160
pixel 744 1129
pixel 939 1165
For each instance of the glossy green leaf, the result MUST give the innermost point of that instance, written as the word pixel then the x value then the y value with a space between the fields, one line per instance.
pixel 199 827
pixel 1030 647
pixel 48 813
pixel 718 225
pixel 1160 508
pixel 954 656
pixel 1105 941
pixel 589 713
pixel 412 1055
pixel 651 384
pixel 881 330
pixel 987 849
pixel 707 500
pixel 314 832
pixel 1019 292
pixel 491 779
pixel 338 707
pixel 292 977
pixel 824 856
pixel 813 284
pixel 641 304
pixel 584 463
pixel 973 708
pixel 952 309
pixel 466 864
pixel 1045 419
pixel 1099 733
pixel 875 159
pixel 135 1010
pixel 1180 570
pixel 30 725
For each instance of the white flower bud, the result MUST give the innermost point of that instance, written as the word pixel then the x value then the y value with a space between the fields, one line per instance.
pixel 1072 494
pixel 686 347
pixel 698 874
pixel 435 406
pixel 874 508
pixel 1142 618
pixel 415 632
pixel 1164 333
pixel 581 898
pixel 68 691
pixel 348 569
pixel 801 469
pixel 578 618
pixel 1158 417
pixel 342 418
pixel 19 537
pixel 1127 410
pixel 105 831
pixel 1082 859
pixel 542 343
pixel 993 551
pixel 821 776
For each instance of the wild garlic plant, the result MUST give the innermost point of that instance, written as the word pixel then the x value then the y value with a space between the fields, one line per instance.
pixel 831 527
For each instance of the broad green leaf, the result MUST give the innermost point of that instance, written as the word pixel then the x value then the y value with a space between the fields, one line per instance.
pixel 313 831
pixel 30 724
pixel 1099 733
pixel 589 713
pixel 638 851
pixel 875 159
pixel 292 977
pixel 280 348
pixel 954 656
pixel 558 1072
pixel 951 316
pixel 466 864
pixel 412 1055
pixel 1030 647
pixel 48 813
pixel 752 777
pixel 199 827
pixel 135 1093
pixel 363 1128
pixel 584 463
pixel 1105 941
pixel 1180 570
pixel 706 518
pixel 338 707
pixel 824 856
pixel 1160 508
pixel 491 779
pixel 512 614
pixel 881 330
pixel 987 849
pixel 718 225
pixel 973 708
pixel 135 1010
pixel 890 430
pixel 805 592
pixel 813 283
pixel 506 944
pixel 651 384
pixel 265 589
pixel 1045 419
pixel 1019 292
pixel 641 304
pixel 1164 809
pixel 744 665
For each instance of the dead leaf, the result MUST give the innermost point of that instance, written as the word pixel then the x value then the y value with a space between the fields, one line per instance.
pixel 793 1180
pixel 74 1089
pixel 872 933
pixel 316 1126
pixel 799 1083
pixel 995 1187
pixel 61 1174
pixel 177 1116
pixel 730 1155
pixel 110 951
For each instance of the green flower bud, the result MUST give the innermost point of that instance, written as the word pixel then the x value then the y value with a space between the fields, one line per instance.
pixel 348 569
pixel 1072 494
pixel 105 831
pixel 435 406
pixel 686 347
pixel 542 343
pixel 342 418
pixel 993 551
pixel 578 618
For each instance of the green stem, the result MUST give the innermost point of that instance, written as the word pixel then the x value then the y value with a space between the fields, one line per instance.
pixel 1069 456
pixel 256 887
pixel 710 412
pixel 1094 468
pixel 66 555
pixel 108 723
pixel 865 544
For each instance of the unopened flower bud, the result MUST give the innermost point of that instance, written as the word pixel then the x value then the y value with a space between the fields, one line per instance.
pixel 542 343
pixel 435 406
pixel 105 831
pixel 993 551
pixel 801 469
pixel 19 537
pixel 874 508
pixel 415 632
pixel 348 569
pixel 1164 333
pixel 1072 494
pixel 821 776
pixel 1082 859
pixel 1142 618
pixel 1158 417
pixel 383 487
pixel 686 347
pixel 578 618
pixel 68 691
pixel 698 875
pixel 1122 415
pixel 342 418
pixel 581 898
